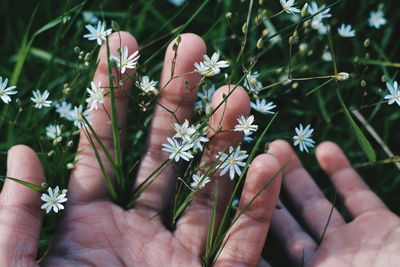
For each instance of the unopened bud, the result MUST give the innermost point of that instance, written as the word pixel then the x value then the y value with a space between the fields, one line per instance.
pixel 228 15
pixel 303 12
pixel 70 143
pixel 366 42
pixel 363 83
pixel 70 166
pixel 342 76
pixel 260 43
pixel 244 28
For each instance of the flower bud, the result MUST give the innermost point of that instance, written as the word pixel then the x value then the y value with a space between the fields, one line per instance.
pixel 342 76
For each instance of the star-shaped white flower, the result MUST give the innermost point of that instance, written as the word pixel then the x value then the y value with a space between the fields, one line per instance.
pixel 96 95
pixel 394 93
pixel 263 106
pixel 251 82
pixel 303 137
pixel 124 61
pixel 178 149
pixel 147 85
pixel 317 20
pixel 5 91
pixel 65 110
pixel 53 131
pixel 232 161
pixel 99 33
pixel 184 131
pixel 211 66
pixel 346 31
pixel 376 19
pixel 199 181
pixel 288 6
pixel 246 124
pixel 40 99
pixel 79 116
pixel 54 199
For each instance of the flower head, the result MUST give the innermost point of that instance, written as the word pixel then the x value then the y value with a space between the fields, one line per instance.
pixel 263 106
pixel 199 181
pixel 394 93
pixel 319 14
pixel 288 6
pixel 65 110
pixel 246 124
pixel 251 82
pixel 346 31
pixel 53 199
pixel 96 95
pixel 40 99
pixel 53 131
pixel 303 137
pixel 124 61
pixel 147 85
pixel 211 66
pixel 232 161
pixel 376 19
pixel 79 116
pixel 178 149
pixel 184 131
pixel 99 33
pixel 5 91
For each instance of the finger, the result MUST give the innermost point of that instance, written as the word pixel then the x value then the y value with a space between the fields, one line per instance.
pixel 298 244
pixel 175 96
pixel 193 226
pixel 87 180
pixel 306 197
pixel 20 213
pixel 246 238
pixel 356 195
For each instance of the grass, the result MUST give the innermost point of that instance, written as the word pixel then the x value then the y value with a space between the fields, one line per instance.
pixel 38 50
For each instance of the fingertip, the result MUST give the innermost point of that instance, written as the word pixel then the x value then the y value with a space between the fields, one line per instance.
pixel 331 157
pixel 23 156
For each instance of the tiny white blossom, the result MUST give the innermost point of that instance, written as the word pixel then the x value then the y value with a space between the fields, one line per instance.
pixel 5 91
pixel 147 85
pixel 248 137
pixel 232 161
pixel 205 97
pixel 178 149
pixel 53 131
pixel 79 116
pixel 199 139
pixel 394 95
pixel 246 125
pixel 53 199
pixel 303 137
pixel 288 6
pixel 96 95
pixel 40 99
pixel 317 20
pixel 263 106
pixel 376 19
pixel 211 66
pixel 199 181
pixel 251 82
pixel 99 34
pixel 346 31
pixel 124 61
pixel 65 110
pixel 184 131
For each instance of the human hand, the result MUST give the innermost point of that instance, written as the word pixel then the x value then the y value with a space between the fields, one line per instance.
pixel 94 231
pixel 372 238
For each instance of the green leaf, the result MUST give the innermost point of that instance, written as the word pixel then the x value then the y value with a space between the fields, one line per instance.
pixel 362 140
pixel 37 188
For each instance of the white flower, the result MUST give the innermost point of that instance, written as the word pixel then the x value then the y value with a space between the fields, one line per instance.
pixel 288 6
pixel 147 85
pixel 89 17
pixel 394 95
pixel 205 97
pixel 96 95
pixel 65 110
pixel 199 181
pixel 99 34
pixel 246 125
pixel 263 106
pixel 79 116
pixel 5 91
pixel 178 149
pixel 342 76
pixel 184 131
pixel 251 82
pixel 376 19
pixel 322 28
pixel 40 99
pixel 232 161
pixel 54 199
pixel 199 138
pixel 316 21
pixel 248 137
pixel 53 131
pixel 124 61
pixel 211 66
pixel 346 31
pixel 303 137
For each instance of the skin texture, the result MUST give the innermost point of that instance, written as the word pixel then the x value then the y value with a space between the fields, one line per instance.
pixel 95 232
pixel 372 238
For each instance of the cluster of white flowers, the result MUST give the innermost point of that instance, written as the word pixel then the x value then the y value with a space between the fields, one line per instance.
pixel 211 66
